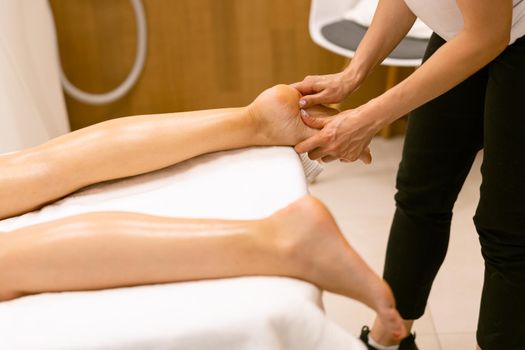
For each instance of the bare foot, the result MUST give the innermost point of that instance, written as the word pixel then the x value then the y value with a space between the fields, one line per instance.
pixel 277 116
pixel 314 245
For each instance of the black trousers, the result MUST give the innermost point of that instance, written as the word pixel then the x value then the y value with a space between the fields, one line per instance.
pixel 487 111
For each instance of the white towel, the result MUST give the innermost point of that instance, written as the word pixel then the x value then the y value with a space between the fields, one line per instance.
pixel 312 168
pixel 363 12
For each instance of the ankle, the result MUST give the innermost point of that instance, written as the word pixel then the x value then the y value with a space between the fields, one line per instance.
pixel 257 126
pixel 382 336
pixel 285 247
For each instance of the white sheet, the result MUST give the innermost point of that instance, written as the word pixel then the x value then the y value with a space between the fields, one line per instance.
pixel 240 313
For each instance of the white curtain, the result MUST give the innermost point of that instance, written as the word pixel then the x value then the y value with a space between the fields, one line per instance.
pixel 32 108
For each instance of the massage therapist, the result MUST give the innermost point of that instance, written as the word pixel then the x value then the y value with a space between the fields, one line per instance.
pixel 468 95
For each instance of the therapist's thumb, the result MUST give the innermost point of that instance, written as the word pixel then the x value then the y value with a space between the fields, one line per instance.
pixel 314 122
pixel 314 100
pixel 366 156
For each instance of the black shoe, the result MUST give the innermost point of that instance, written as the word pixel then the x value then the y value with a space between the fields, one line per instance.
pixel 408 343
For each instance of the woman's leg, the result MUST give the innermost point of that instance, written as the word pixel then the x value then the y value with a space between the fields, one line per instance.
pixel 500 217
pixel 442 140
pixel 135 145
pixel 107 250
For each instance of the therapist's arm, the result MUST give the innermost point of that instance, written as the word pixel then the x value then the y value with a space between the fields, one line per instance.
pixel 392 21
pixel 486 33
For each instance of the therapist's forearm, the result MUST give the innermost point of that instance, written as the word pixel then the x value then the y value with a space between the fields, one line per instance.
pixel 454 62
pixel 391 22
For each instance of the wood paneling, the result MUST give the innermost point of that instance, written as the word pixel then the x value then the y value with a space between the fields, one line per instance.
pixel 201 53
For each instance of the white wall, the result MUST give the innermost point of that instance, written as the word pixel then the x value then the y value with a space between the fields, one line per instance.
pixel 32 108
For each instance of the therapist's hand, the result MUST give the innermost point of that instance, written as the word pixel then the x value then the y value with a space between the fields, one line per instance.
pixel 325 89
pixel 344 136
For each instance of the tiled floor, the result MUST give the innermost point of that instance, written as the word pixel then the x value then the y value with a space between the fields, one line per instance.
pixel 361 199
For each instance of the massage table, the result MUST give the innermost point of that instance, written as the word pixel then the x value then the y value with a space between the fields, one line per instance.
pixel 247 313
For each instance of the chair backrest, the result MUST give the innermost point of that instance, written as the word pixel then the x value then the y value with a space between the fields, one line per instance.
pixel 32 108
pixel 324 13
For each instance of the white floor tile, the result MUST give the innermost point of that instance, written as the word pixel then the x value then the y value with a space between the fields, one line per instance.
pixel 458 341
pixel 348 313
pixel 425 325
pixel 429 342
pixel 352 315
pixel 456 294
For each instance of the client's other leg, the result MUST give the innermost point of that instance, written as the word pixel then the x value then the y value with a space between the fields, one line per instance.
pixel 135 145
pixel 106 250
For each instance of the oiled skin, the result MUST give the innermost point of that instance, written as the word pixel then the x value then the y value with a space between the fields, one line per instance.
pixel 113 249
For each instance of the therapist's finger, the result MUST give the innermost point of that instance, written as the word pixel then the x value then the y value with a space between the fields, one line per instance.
pixel 328 159
pixel 314 122
pixel 304 87
pixel 366 156
pixel 318 154
pixel 315 99
pixel 309 144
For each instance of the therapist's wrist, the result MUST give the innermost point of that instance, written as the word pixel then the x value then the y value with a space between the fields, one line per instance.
pixel 380 112
pixel 354 74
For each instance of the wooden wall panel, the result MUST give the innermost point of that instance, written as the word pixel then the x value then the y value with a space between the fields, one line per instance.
pixel 202 53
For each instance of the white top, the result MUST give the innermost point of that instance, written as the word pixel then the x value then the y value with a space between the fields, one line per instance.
pixel 444 17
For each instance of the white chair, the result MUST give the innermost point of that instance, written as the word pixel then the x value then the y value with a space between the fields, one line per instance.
pixel 339 26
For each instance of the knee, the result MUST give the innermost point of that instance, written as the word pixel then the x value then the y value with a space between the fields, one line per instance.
pixel 422 195
pixel 425 207
pixel 501 214
pixel 503 252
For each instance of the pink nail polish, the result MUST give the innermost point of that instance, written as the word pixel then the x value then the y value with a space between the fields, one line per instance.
pixel 302 103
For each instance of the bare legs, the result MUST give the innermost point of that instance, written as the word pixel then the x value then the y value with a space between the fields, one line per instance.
pixel 113 249
pixel 106 250
pixel 135 145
